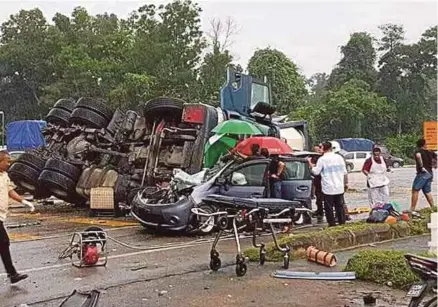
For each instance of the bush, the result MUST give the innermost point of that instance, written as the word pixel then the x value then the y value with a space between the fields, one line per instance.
pixel 382 267
pixel 403 146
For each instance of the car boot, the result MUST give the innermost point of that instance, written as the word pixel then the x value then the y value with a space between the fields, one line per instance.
pixel 17 277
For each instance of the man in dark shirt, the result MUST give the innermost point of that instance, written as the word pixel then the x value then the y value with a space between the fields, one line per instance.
pixel 424 161
pixel 317 187
pixel 276 168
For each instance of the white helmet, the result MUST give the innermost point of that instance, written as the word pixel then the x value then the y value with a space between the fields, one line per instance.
pixel 335 146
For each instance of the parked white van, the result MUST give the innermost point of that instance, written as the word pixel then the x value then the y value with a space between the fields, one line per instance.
pixel 357 159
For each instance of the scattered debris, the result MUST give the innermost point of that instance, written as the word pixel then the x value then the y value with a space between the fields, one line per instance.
pixel 23 225
pixel 229 296
pixel 139 268
pixel 369 299
pixel 161 293
pixel 81 299
pixel 315 275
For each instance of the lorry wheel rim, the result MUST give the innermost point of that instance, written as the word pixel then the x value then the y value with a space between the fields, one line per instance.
pixel 27 186
pixel 59 192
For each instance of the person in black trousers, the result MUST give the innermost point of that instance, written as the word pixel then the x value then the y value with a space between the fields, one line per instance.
pixel 6 191
pixel 334 182
pixel 317 187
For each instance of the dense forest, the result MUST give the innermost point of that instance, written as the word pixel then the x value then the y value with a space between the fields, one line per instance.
pixel 382 88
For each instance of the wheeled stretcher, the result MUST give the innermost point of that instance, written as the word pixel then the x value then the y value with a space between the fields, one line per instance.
pixel 255 213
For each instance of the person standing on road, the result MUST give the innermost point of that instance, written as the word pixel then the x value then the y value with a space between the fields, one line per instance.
pixel 276 168
pixel 6 191
pixel 377 182
pixel 425 160
pixel 334 178
pixel 317 187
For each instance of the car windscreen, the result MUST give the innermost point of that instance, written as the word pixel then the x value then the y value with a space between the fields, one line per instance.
pixel 296 170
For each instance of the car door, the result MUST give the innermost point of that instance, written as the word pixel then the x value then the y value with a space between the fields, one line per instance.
pixel 296 181
pixel 246 181
pixel 349 157
pixel 359 160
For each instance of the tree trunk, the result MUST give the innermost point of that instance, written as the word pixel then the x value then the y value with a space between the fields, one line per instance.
pixel 399 128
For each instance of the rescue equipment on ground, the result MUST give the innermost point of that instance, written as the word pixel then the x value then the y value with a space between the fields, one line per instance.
pixel 321 257
pixel 249 214
pixel 87 248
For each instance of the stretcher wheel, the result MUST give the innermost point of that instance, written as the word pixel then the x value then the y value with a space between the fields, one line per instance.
pixel 286 261
pixel 222 223
pixel 215 263
pixel 241 269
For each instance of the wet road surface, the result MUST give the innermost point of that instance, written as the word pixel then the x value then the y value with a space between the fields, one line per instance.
pixel 179 266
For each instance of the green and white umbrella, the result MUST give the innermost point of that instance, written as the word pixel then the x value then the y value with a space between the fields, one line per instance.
pixel 216 146
pixel 237 127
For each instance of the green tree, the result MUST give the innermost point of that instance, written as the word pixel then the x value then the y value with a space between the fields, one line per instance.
pixel 318 84
pixel 216 61
pixel 358 59
pixel 288 86
pixel 406 77
pixel 351 111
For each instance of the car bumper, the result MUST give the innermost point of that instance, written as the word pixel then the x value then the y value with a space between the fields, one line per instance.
pixel 171 217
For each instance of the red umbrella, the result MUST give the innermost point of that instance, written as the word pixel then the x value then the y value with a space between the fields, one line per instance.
pixel 275 146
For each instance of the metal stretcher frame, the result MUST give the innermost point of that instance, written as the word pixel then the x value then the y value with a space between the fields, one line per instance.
pixel 256 217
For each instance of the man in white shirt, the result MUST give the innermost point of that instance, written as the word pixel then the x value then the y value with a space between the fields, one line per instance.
pixel 6 191
pixel 331 167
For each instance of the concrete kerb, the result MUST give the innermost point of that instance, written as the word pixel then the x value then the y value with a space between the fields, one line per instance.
pixel 342 237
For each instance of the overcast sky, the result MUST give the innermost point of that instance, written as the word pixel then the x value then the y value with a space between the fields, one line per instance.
pixel 309 32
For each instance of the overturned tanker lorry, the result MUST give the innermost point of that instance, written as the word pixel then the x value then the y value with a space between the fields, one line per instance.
pixel 89 145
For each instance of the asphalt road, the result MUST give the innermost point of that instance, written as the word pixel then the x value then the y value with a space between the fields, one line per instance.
pixel 176 272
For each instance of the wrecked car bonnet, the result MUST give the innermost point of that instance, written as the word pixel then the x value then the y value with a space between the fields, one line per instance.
pixel 201 191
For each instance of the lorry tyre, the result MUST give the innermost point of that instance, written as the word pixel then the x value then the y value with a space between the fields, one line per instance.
pixel 24 176
pixel 59 185
pixel 86 117
pixel 96 106
pixel 31 160
pixel 163 107
pixel 58 117
pixel 64 168
pixel 66 104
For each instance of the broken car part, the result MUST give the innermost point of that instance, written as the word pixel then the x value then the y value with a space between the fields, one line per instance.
pixel 315 275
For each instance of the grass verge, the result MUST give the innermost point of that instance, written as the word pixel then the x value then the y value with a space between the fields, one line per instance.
pixel 349 235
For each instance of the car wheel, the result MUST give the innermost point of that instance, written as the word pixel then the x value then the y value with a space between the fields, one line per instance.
pixel 59 117
pixel 59 185
pixel 164 108
pixel 208 222
pixel 89 118
pixel 24 176
pixel 96 106
pixel 64 168
pixel 350 168
pixel 396 164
